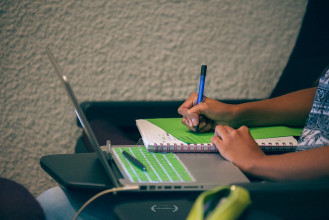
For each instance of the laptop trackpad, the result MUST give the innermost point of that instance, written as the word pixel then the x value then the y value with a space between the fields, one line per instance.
pixel 212 168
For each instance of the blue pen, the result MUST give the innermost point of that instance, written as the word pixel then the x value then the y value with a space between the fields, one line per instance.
pixel 201 88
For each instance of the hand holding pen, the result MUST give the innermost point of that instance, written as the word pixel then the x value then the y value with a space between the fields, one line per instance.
pixel 202 114
pixel 208 114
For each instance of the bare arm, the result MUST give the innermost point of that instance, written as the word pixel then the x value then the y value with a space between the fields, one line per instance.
pixel 309 164
pixel 238 146
pixel 290 109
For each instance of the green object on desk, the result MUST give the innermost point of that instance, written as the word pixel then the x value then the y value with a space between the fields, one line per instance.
pixel 159 167
pixel 175 127
pixel 224 202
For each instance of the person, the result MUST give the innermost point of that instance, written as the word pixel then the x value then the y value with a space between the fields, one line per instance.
pixel 16 202
pixel 232 137
pixel 234 142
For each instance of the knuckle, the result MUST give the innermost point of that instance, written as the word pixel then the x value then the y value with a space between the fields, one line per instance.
pixel 193 95
pixel 244 128
pixel 204 106
pixel 234 132
pixel 218 127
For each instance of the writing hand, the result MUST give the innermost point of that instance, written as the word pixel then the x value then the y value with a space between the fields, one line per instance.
pixel 207 114
pixel 191 114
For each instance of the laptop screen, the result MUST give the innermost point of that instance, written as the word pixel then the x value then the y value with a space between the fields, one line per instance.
pixel 83 120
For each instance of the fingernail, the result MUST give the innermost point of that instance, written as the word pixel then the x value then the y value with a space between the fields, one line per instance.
pixel 194 122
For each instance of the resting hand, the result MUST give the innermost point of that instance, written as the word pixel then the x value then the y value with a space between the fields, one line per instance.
pixel 206 114
pixel 237 146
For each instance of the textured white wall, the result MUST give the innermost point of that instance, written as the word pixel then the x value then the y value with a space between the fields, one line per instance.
pixel 127 50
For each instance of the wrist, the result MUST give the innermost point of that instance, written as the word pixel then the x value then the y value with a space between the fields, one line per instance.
pixel 239 115
pixel 247 114
pixel 254 166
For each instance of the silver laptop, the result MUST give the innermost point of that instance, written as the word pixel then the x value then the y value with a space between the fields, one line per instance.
pixel 164 171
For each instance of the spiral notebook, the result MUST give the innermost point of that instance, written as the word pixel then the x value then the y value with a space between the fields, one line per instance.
pixel 170 135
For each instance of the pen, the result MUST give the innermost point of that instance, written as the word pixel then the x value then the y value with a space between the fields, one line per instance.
pixel 201 88
pixel 134 160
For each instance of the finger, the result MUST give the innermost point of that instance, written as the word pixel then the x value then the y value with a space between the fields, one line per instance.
pixel 205 125
pixel 195 100
pixel 202 121
pixel 192 116
pixel 217 141
pixel 187 123
pixel 221 131
pixel 244 129
pixel 244 132
pixel 229 130
pixel 189 103
pixel 192 119
pixel 191 111
pixel 204 99
pixel 195 113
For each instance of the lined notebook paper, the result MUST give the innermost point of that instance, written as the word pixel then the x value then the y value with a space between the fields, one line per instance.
pixel 170 135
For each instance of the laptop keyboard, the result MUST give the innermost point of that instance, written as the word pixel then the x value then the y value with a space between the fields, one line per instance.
pixel 160 167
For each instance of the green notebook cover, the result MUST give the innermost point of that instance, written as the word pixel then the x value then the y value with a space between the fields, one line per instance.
pixel 175 127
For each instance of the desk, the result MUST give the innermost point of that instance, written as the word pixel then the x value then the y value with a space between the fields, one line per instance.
pixel 288 200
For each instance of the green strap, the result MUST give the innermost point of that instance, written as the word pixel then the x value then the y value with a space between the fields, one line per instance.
pixel 225 202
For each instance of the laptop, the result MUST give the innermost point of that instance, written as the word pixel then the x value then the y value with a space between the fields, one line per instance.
pixel 164 171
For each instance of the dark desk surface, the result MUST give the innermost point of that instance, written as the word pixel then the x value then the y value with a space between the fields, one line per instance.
pixel 289 200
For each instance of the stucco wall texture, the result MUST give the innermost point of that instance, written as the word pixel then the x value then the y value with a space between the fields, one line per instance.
pixel 127 50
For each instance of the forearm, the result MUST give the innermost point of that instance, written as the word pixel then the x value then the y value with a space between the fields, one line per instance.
pixel 310 164
pixel 290 109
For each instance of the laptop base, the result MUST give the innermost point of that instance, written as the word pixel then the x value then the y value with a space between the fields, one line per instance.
pixel 77 171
